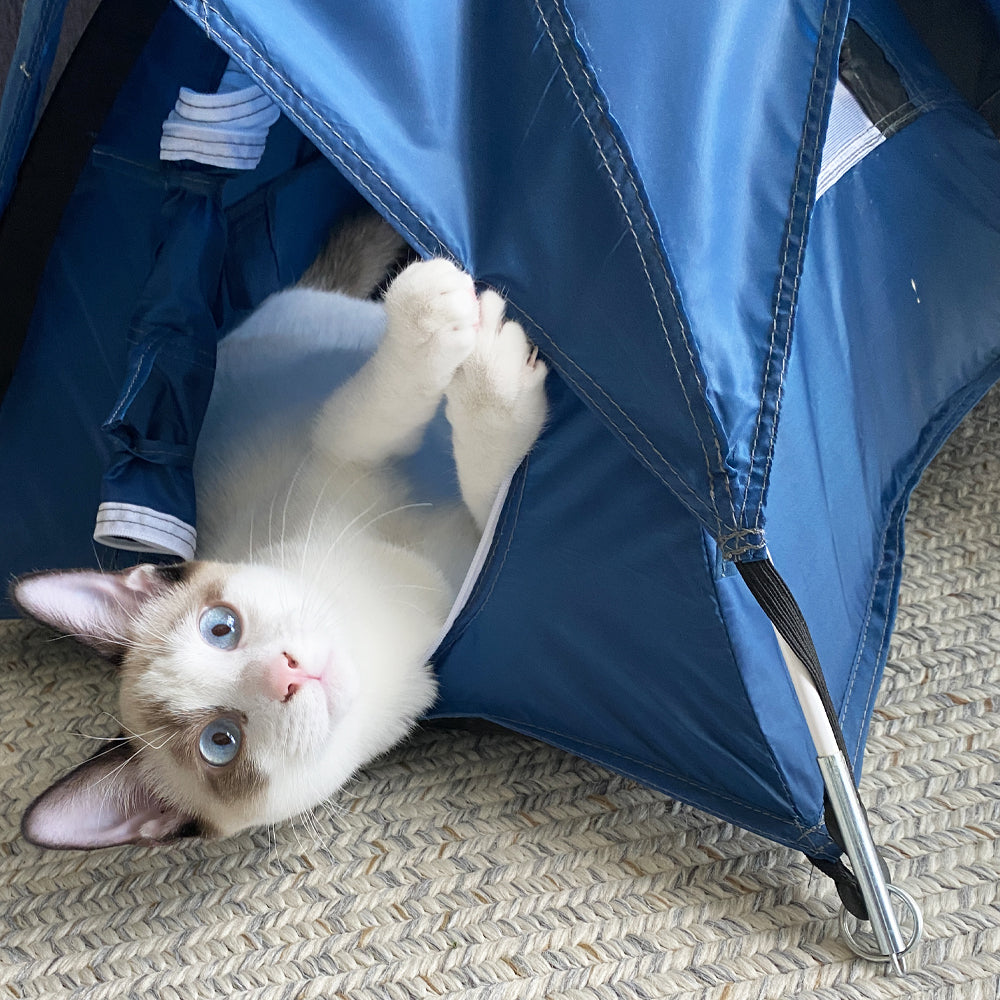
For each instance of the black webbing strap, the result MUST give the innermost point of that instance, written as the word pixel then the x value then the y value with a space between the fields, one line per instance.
pixel 104 56
pixel 772 594
pixel 847 885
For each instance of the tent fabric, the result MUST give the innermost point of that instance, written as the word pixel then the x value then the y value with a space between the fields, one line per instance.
pixel 658 391
pixel 762 319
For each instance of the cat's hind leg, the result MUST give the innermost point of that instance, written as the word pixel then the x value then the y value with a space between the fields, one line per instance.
pixel 432 318
pixel 496 406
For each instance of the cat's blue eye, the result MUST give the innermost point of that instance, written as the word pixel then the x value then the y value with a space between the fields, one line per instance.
pixel 219 742
pixel 220 627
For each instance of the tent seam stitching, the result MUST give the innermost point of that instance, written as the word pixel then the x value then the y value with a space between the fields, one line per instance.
pixel 314 133
pixel 900 534
pixel 614 423
pixel 870 698
pixel 804 831
pixel 638 243
pixel 769 750
pixel 481 594
pixel 820 50
pixel 38 46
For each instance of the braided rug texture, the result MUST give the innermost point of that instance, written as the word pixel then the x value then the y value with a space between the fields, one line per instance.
pixel 485 866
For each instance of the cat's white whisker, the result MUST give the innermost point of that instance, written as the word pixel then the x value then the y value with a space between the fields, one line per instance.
pixel 347 527
pixel 354 482
pixel 145 738
pixel 97 737
pixel 312 519
pixel 113 743
pixel 270 523
pixel 386 513
pixel 288 496
pixel 111 775
pixel 409 604
pixel 311 822
pixel 82 636
pixel 251 554
pixel 164 742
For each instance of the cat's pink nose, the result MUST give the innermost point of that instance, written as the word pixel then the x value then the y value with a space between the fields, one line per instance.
pixel 284 677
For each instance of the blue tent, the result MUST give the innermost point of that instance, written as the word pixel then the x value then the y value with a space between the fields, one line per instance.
pixel 758 250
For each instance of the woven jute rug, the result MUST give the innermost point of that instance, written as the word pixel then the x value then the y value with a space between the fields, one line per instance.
pixel 488 867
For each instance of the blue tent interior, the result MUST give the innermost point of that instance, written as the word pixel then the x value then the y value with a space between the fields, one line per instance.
pixel 766 296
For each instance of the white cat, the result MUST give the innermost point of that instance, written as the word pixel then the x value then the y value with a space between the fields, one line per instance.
pixel 256 679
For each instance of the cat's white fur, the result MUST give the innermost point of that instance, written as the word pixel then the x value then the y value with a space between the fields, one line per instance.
pixel 340 584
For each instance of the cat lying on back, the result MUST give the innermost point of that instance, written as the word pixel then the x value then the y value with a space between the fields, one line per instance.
pixel 256 679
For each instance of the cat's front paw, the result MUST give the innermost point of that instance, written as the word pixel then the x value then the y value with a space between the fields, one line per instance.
pixel 502 379
pixel 433 316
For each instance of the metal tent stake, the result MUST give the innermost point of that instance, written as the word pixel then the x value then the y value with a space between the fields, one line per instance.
pixel 858 843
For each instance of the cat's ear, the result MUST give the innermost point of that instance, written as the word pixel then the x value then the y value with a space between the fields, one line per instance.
pixel 95 607
pixel 105 802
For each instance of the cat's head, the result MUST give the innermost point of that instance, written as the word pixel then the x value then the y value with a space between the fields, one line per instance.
pixel 246 698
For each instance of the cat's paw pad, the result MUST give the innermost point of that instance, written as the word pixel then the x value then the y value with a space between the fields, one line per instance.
pixel 503 373
pixel 433 311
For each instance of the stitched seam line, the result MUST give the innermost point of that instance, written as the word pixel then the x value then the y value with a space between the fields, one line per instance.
pixel 820 50
pixel 864 633
pixel 724 536
pixel 521 725
pixel 312 131
pixel 611 419
pixel 659 257
pixel 732 652
pixel 23 92
pixel 869 700
pixel 793 296
pixel 920 462
pixel 510 517
pixel 125 399
pixel 625 166
pixel 170 532
pixel 121 510
pixel 638 243
pixel 917 111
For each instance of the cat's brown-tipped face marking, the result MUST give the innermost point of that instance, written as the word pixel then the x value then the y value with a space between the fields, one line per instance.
pixel 234 782
pixel 232 677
